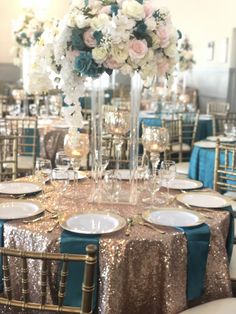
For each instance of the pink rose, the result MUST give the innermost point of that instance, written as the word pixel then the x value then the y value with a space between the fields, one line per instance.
pixel 106 9
pixel 89 40
pixel 163 67
pixel 164 35
pixel 137 49
pixel 111 63
pixel 148 9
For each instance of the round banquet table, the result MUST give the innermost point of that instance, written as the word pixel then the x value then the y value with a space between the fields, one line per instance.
pixel 144 272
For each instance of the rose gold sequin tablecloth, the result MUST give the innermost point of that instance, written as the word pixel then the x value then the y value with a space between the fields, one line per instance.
pixel 141 273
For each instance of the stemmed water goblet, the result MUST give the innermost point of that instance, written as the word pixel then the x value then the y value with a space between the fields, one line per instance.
pixel 60 182
pixel 62 161
pixel 167 173
pixel 43 169
pixel 76 146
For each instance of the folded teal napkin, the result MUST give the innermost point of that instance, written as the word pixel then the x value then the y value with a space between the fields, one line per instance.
pixel 1 244
pixel 230 237
pixel 198 239
pixel 74 243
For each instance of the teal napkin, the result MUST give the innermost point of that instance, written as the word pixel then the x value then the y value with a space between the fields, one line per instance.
pixel 230 237
pixel 198 239
pixel 1 244
pixel 74 243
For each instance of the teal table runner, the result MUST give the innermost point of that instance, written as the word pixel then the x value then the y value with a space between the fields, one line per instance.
pixel 198 239
pixel 74 243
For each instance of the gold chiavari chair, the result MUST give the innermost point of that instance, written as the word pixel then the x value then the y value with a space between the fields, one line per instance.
pixel 175 128
pixel 225 169
pixel 26 130
pixel 8 150
pixel 190 125
pixel 218 123
pixel 218 108
pixel 88 286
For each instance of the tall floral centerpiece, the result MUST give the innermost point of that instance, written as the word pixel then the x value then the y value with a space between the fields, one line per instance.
pixel 186 59
pixel 27 30
pixel 99 36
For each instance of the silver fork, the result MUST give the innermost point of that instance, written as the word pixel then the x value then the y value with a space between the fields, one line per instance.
pixel 53 227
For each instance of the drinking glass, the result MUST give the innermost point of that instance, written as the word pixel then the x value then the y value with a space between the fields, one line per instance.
pixel 167 173
pixel 62 161
pixel 154 185
pixel 155 140
pixel 228 129
pixel 60 182
pixel 112 185
pixel 43 169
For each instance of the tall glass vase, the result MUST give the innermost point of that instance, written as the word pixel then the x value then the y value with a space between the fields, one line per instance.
pixel 120 129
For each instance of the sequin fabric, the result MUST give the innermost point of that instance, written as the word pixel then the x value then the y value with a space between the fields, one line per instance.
pixel 144 272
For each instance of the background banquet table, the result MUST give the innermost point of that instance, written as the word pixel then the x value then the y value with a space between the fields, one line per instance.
pixel 204 128
pixel 202 162
pixel 141 273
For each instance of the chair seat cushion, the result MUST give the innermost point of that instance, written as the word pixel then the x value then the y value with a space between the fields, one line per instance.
pixel 182 168
pixel 23 162
pixel 232 266
pixel 176 147
pixel 222 306
pixel 231 194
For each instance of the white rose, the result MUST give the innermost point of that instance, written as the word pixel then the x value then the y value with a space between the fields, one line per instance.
pixel 126 69
pixel 151 23
pixel 155 40
pixel 119 53
pixel 171 51
pixel 71 21
pixel 81 21
pixel 99 22
pixel 133 9
pixel 99 54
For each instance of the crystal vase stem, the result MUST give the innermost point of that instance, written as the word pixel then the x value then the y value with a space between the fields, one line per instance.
pixel 155 159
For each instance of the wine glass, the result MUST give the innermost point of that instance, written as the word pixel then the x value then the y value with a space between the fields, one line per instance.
pixel 155 140
pixel 154 185
pixel 167 173
pixel 60 182
pixel 43 169
pixel 62 161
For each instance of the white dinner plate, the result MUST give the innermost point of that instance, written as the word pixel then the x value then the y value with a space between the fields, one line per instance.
pixel 205 144
pixel 81 175
pixel 93 223
pixel 203 199
pixel 223 139
pixel 173 217
pixel 183 184
pixel 18 209
pixel 18 188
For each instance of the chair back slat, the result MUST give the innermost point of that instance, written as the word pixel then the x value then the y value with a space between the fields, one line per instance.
pixel 88 286
pixel 8 157
pixel 225 170
pixel 62 284
pixel 44 282
pixel 24 280
pixel 6 277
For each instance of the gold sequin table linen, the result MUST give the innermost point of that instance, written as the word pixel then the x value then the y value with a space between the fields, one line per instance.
pixel 141 273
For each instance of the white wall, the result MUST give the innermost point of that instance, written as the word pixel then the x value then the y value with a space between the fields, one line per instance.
pixel 11 9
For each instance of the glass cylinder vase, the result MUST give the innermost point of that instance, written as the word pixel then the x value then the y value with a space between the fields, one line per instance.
pixel 115 126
